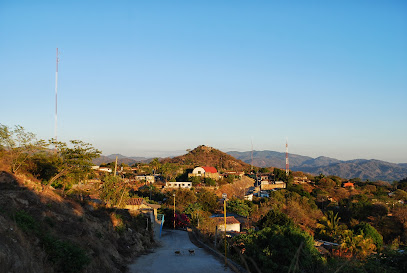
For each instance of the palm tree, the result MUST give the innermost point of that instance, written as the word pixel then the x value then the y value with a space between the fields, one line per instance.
pixel 330 224
pixel 155 164
pixel 357 245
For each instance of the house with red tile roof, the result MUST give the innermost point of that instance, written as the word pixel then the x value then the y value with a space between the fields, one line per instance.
pixel 205 171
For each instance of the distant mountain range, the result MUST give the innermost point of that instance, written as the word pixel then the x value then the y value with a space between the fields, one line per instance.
pixel 120 159
pixel 372 169
pixel 364 169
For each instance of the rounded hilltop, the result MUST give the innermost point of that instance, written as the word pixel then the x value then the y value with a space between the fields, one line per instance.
pixel 209 156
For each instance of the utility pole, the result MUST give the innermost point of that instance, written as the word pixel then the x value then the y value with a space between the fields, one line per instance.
pixel 174 209
pixel 115 167
pixel 224 195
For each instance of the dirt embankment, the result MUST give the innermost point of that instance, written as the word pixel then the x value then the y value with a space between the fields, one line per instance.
pixel 42 232
pixel 237 188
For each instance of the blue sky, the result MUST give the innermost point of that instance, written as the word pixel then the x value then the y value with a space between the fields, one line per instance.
pixel 153 78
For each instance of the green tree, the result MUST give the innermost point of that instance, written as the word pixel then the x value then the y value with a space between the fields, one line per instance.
pixel 326 183
pixel 114 191
pixel 197 213
pixel 275 217
pixel 183 197
pixel 280 175
pixel 400 194
pixel 402 184
pixel 44 165
pixel 317 178
pixel 155 164
pixel 75 160
pixel 169 171
pixel 299 189
pixel 208 200
pixel 280 249
pixel 20 145
pixel 264 170
pixel 209 181
pixel 336 179
pixel 239 207
pixel 329 225
pixel 357 244
pixel 196 180
pixel 367 231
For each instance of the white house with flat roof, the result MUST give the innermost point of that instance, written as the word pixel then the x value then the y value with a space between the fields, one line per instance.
pixel 184 185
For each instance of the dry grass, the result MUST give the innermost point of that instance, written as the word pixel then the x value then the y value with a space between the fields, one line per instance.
pixel 60 222
pixel 237 188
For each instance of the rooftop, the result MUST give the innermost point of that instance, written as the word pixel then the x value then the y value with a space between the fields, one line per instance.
pixel 229 220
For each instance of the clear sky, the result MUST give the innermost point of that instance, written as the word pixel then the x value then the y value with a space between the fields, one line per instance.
pixel 148 78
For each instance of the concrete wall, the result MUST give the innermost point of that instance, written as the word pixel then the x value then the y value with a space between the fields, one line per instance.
pixel 229 227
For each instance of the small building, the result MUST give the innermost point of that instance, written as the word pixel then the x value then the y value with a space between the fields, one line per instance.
pixel 232 224
pixel 301 180
pixel 274 185
pixel 139 205
pixel 263 179
pixel 348 185
pixel 105 169
pixel 249 197
pixel 184 185
pixel 205 171
pixel 280 184
pixel 147 178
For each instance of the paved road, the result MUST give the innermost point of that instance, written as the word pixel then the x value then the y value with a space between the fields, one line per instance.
pixel 164 259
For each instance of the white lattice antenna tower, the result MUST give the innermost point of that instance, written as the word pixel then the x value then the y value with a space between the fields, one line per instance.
pixel 56 99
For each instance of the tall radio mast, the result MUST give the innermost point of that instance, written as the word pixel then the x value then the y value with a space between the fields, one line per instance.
pixel 287 169
pixel 56 98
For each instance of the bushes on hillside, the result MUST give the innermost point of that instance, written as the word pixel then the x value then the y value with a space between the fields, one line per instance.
pixel 280 246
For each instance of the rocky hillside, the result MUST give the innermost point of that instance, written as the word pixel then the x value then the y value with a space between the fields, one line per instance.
pixel 362 168
pixel 40 231
pixel 208 156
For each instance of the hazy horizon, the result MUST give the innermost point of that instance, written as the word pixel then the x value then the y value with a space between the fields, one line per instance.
pixel 168 153
pixel 140 77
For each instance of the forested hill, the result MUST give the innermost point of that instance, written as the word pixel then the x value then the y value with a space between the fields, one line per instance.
pixel 364 169
pixel 208 156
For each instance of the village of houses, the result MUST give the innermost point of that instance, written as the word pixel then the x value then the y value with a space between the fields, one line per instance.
pixel 263 184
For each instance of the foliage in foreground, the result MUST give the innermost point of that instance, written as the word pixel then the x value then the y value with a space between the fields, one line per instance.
pixel 280 246
pixel 65 255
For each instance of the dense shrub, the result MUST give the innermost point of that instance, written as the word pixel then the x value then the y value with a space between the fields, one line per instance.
pixel 368 231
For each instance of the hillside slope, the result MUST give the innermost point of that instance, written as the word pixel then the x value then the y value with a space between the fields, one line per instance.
pixel 269 158
pixel 208 156
pixel 42 232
